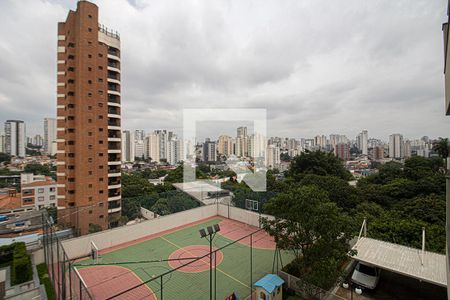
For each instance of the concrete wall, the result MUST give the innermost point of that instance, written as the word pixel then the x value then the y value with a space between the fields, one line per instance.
pixel 241 215
pixel 81 246
pixel 147 214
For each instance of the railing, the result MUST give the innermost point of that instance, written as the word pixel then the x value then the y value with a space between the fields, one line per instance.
pixel 114 111
pixel 108 31
pixel 113 64
pixel 114 51
pixel 113 87
pixel 113 204
pixel 113 99
pixel 113 182
pixel 113 122
pixel 113 75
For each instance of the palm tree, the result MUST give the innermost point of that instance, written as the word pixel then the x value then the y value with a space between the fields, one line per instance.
pixel 442 147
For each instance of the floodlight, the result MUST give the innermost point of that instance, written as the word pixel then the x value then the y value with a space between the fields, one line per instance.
pixel 210 230
pixel 216 227
pixel 202 233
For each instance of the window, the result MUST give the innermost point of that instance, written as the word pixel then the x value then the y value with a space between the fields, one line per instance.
pixel 71 179
pixel 90 16
pixel 100 142
pixel 90 198
pixel 89 133
pixel 52 197
pixel 40 191
pixel 90 159
pixel 71 57
pixel 100 204
pixel 89 81
pixel 71 192
pixel 100 67
pixel 89 55
pixel 100 55
pixel 71 69
pixel 100 80
pixel 71 81
pixel 100 154
pixel 100 129
pixel 100 117
pixel 90 29
pixel 100 179
pixel 27 192
pixel 89 120
pixel 89 94
pixel 89 172
pixel 100 167
pixel 71 167
pixel 90 212
pixel 71 143
pixel 89 107
pixel 71 45
pixel 71 105
pixel 100 92
pixel 100 105
pixel 71 155
pixel 71 94
pixel 101 216
pixel 90 186
pixel 89 146
pixel 71 130
pixel 27 200
pixel 89 69
pixel 70 118
pixel 100 192
pixel 52 189
pixel 40 198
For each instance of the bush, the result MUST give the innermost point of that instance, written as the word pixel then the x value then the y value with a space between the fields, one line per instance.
pixel 17 257
pixel 45 280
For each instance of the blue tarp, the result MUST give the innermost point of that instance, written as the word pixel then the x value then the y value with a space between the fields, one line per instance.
pixel 269 282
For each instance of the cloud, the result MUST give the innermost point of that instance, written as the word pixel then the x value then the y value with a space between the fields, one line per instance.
pixel 319 67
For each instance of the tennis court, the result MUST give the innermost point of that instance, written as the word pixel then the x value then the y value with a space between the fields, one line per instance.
pixel 162 266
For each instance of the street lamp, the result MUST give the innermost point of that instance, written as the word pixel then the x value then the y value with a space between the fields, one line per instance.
pixel 209 234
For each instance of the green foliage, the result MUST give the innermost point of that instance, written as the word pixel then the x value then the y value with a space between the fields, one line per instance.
pixel 38 169
pixel 4 157
pixel 17 257
pixel 45 280
pixel 134 185
pixel 318 163
pixel 338 190
pixel 94 228
pixel 314 228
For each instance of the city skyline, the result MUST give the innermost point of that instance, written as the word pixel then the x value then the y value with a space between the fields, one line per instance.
pixel 306 90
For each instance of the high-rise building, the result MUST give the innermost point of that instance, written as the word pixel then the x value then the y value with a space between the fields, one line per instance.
pixel 49 136
pixel 241 142
pixel 378 152
pixel 15 138
pixel 38 140
pixel 209 151
pixel 2 143
pixel 88 121
pixel 396 146
pixel 127 146
pixel 139 135
pixel 225 145
pixel 362 142
pixel 273 157
pixel 175 151
pixel 342 151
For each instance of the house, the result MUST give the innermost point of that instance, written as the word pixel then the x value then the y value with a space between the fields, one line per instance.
pixel 269 288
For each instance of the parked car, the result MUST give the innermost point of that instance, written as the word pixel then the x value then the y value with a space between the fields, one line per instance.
pixel 3 218
pixel 366 276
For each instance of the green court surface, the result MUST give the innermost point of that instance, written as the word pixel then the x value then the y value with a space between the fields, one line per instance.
pixel 240 266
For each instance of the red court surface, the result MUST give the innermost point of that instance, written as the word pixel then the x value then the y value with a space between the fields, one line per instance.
pixel 198 266
pixel 117 279
pixel 235 230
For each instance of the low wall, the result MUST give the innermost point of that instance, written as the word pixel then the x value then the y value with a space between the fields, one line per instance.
pixel 81 246
pixel 241 215
pixel 147 214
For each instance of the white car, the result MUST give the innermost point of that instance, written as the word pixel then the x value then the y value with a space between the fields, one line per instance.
pixel 366 276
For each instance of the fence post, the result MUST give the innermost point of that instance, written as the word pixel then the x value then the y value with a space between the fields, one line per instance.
pixel 161 288
pixel 251 266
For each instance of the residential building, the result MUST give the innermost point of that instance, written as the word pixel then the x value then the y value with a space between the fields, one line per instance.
pixel 38 191
pixel 378 152
pixel 38 140
pixel 88 121
pixel 362 142
pixel 15 138
pixel 49 136
pixel 209 151
pixel 127 146
pixel 2 143
pixel 225 145
pixel 342 150
pixel 396 146
pixel 241 142
pixel 175 151
pixel 273 157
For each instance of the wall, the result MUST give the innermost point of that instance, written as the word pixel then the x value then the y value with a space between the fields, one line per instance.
pixel 241 215
pixel 81 246
pixel 147 214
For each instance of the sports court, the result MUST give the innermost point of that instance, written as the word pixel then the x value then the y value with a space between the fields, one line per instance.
pixel 162 265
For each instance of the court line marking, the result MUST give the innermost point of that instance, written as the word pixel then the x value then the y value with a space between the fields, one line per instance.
pixel 226 274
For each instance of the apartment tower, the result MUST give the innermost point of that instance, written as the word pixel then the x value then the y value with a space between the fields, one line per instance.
pixel 88 122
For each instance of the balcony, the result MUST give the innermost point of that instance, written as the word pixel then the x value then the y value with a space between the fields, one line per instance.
pixel 114 145
pixel 114 181
pixel 114 112
pixel 113 75
pixel 114 51
pixel 113 204
pixel 114 157
pixel 113 193
pixel 108 31
pixel 113 87
pixel 114 122
pixel 113 64
pixel 113 99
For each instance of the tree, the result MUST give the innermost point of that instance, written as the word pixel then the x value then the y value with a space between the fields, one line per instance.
pixel 4 157
pixel 313 228
pixel 442 147
pixel 319 163
pixel 134 185
pixel 38 169
pixel 94 228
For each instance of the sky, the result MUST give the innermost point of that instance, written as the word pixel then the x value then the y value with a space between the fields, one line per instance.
pixel 318 67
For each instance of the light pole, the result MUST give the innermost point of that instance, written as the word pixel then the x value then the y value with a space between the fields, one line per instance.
pixel 209 234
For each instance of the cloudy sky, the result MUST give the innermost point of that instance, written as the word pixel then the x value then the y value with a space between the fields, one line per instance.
pixel 317 66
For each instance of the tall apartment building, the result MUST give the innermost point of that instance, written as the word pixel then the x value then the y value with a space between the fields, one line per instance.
pixel 15 138
pixel 88 121
pixel 127 146
pixel 49 136
pixel 362 142
pixel 273 157
pixel 342 150
pixel 396 146
pixel 225 145
pixel 2 143
pixel 209 151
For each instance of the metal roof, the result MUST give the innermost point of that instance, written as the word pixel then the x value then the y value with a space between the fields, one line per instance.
pixel 422 265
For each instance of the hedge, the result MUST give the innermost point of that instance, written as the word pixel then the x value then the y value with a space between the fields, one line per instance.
pixel 19 260
pixel 45 280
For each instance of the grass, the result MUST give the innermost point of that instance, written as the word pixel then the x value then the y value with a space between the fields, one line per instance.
pixel 45 280
pixel 233 274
